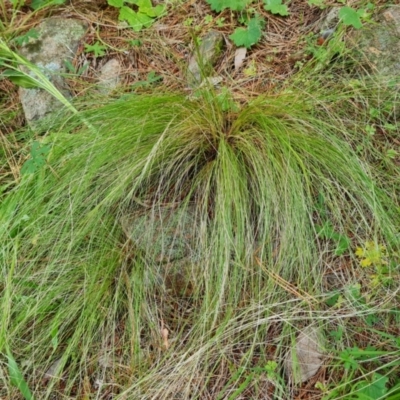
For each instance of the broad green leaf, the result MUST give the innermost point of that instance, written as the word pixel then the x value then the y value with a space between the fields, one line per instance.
pixel 144 19
pixel 234 5
pixel 152 11
pixel 20 79
pixel 37 4
pixel 249 36
pixel 31 34
pixel 37 160
pixel 276 7
pixel 349 16
pixel 136 20
pixel 375 389
pixel 159 9
pixel 97 48
pixel 116 3
pixel 143 3
pixel 343 245
pixel 332 300
pixel 17 378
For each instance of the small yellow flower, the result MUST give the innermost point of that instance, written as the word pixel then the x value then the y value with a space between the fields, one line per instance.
pixel 371 254
pixel 366 262
pixel 360 252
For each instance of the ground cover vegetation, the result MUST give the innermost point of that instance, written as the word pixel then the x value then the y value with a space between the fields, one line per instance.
pixel 290 170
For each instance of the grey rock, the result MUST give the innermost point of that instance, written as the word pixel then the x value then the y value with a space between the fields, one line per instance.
pixel 57 42
pixel 110 76
pixel 378 45
pixel 331 19
pixel 167 237
pixel 164 234
pixel 54 371
pixel 305 358
pixel 204 58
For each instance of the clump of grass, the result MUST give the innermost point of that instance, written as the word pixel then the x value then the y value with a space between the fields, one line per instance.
pixel 79 290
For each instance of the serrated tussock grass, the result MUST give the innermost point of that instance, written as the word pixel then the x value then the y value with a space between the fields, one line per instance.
pixel 76 289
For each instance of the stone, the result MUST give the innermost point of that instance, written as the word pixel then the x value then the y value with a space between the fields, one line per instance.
pixel 377 46
pixel 204 58
pixel 305 357
pixel 167 238
pixel 164 234
pixel 110 76
pixel 331 20
pixel 57 42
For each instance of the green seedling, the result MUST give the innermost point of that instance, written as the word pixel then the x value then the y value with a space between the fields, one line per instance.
pixel 276 7
pixel 37 160
pixel 226 101
pixel 143 17
pixel 135 42
pixel 208 19
pixel 72 70
pixel 250 35
pixel 26 37
pixel 151 78
pixel 99 50
pixel 220 22
pixel 188 21
pixel 327 231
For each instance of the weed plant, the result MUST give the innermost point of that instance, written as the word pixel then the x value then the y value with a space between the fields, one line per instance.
pixel 77 292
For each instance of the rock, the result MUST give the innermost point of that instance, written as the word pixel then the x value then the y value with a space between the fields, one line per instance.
pixel 378 45
pixel 330 21
pixel 57 42
pixel 109 77
pixel 204 58
pixel 167 237
pixel 305 358
pixel 164 234
pixel 54 371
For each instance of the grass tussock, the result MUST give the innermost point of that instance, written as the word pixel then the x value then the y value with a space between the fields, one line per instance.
pixel 76 289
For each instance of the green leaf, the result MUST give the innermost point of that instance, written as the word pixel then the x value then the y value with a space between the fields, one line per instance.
pixel 234 5
pixel 249 36
pixel 375 389
pixel 116 3
pixel 37 4
pixel 332 300
pixel 132 17
pixel 327 232
pixel 318 3
pixel 276 7
pixel 97 48
pixel 20 79
pixel 31 34
pixel 226 101
pixel 37 160
pixel 156 11
pixel 141 3
pixel 349 362
pixel 17 378
pixel 349 16
pixel 343 245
